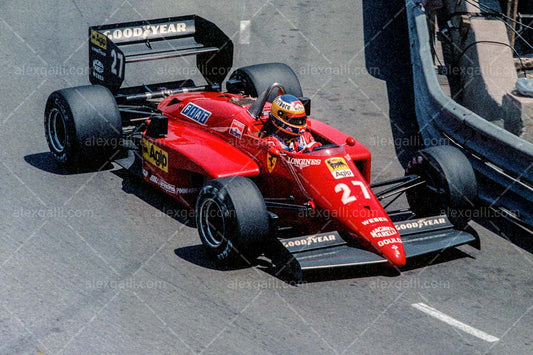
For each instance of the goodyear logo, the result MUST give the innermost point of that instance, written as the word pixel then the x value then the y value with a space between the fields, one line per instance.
pixel 147 31
pixel 155 155
pixel 196 113
pixel 421 223
pixel 338 168
pixel 310 240
pixel 98 39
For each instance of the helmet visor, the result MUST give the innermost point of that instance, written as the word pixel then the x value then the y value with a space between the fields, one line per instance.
pixel 297 119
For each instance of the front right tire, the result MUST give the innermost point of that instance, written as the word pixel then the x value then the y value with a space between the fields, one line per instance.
pixel 450 185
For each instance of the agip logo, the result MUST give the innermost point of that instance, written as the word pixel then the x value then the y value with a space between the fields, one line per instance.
pixel 155 155
pixel 98 39
pixel 339 168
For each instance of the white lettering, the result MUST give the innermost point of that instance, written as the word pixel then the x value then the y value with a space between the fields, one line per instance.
pixel 181 27
pixel 389 241
pixel 374 220
pixel 137 32
pixel 146 31
pixel 303 163
pixel 309 240
pixel 128 32
pixel 383 231
pixel 421 223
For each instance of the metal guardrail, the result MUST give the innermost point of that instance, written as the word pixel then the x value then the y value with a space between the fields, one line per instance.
pixel 503 161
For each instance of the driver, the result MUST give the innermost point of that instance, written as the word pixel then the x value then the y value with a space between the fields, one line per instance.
pixel 287 125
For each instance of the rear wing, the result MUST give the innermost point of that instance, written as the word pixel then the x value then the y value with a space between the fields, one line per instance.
pixel 112 46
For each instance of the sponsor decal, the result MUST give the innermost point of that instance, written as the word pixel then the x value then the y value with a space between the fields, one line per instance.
pixel 339 168
pixel 271 162
pixel 374 220
pixel 155 155
pixel 187 190
pixel 98 76
pixel 303 163
pixel 196 113
pixel 143 32
pixel 389 241
pixel 98 66
pixel 290 106
pixel 98 39
pixel 421 223
pixel 162 183
pixel 383 231
pixel 237 129
pixel 99 51
pixel 310 240
pixel 167 187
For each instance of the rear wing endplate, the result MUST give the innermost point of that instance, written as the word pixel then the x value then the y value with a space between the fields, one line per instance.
pixel 112 46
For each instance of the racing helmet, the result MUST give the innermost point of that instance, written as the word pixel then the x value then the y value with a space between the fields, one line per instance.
pixel 288 115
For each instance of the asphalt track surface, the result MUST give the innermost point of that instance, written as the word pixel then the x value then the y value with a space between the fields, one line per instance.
pixel 94 263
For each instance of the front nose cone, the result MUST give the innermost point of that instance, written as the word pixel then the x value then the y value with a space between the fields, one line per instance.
pixel 394 254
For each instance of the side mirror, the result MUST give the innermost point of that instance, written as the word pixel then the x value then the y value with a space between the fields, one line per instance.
pixel 350 141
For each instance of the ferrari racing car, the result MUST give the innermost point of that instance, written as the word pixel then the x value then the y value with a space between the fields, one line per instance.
pixel 204 147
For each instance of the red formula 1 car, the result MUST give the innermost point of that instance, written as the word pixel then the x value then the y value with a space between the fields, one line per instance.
pixel 203 147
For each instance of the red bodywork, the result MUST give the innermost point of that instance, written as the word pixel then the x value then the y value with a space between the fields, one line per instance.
pixel 211 135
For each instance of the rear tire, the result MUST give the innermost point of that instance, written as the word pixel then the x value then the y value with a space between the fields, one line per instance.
pixel 232 220
pixel 254 79
pixel 82 125
pixel 450 187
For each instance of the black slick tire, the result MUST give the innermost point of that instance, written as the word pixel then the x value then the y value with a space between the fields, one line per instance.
pixel 232 220
pixel 450 186
pixel 82 125
pixel 252 80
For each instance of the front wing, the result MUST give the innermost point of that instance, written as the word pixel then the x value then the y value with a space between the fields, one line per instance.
pixel 328 250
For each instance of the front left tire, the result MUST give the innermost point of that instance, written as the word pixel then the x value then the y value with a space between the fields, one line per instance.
pixel 232 220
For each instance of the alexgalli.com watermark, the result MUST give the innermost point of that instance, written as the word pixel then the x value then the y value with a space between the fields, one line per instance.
pixel 407 141
pixel 337 70
pixel 127 284
pixel 409 284
pixel 270 284
pixel 53 212
pixel 51 70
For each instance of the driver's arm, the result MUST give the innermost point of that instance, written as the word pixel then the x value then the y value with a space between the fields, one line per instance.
pixel 310 142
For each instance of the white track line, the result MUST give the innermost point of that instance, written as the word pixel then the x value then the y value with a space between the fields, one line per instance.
pixel 454 322
pixel 245 32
